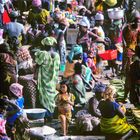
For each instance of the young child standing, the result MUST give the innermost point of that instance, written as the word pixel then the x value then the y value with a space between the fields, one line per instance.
pixel 65 102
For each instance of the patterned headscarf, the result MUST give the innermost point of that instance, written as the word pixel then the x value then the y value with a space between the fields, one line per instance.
pixel 16 89
pixel 77 49
pixel 49 41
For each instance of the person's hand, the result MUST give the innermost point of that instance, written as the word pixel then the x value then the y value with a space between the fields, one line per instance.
pixel 106 43
pixel 122 107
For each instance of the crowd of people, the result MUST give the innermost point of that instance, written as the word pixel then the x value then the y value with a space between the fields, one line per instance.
pixel 33 41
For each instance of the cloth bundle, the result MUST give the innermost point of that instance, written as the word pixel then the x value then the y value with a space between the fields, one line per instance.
pixel 85 122
pixel 119 85
pixel 136 114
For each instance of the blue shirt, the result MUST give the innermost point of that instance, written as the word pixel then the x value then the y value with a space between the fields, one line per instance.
pixel 108 108
pixel 20 103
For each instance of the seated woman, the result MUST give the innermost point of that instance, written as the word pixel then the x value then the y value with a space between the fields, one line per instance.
pixel 88 119
pixel 78 88
pixel 113 119
pixel 74 56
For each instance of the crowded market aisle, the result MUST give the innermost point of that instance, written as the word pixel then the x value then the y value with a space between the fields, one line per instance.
pixel 69 69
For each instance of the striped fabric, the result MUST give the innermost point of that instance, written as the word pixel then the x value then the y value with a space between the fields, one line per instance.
pixel 116 125
pixel 47 78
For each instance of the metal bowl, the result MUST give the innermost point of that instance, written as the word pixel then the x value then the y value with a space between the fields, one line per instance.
pixel 115 13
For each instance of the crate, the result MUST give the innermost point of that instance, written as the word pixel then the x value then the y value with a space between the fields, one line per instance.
pixel 109 55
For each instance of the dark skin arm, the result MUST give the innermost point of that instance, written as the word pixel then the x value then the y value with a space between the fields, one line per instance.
pixel 120 113
pixel 95 112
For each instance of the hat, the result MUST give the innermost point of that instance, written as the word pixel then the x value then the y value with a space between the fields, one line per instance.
pixel 81 7
pixel 14 14
pixel 110 3
pixel 1 36
pixel 99 16
pixel 36 3
pixel 48 41
pixel 84 22
pixel 16 89
pixel 64 21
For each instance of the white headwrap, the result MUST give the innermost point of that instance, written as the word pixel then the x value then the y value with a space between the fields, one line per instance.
pixel 84 22
pixel 99 16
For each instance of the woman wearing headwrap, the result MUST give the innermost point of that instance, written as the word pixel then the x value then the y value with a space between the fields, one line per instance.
pixel 4 104
pixel 74 56
pixel 85 36
pixel 113 120
pixel 7 68
pixel 48 63
pixel 115 35
pixel 100 46
pixel 78 88
pixel 130 35
pixel 37 13
pixel 16 97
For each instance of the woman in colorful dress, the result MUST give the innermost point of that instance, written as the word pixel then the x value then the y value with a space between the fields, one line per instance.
pixel 78 88
pixel 115 35
pixel 113 120
pixel 48 63
pixel 64 102
pixel 38 13
pixel 8 73
pixel 130 35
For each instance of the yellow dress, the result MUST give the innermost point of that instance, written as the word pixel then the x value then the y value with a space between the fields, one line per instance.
pixel 41 17
pixel 65 108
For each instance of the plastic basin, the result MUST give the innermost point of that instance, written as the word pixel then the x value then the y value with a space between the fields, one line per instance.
pixel 37 113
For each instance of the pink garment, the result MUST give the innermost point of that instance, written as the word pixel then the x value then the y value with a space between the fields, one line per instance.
pixel 16 89
pixel 2 126
pixel 118 39
pixel 36 3
pixel 91 65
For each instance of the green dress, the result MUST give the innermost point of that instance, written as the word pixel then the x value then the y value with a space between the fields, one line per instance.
pixel 47 78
